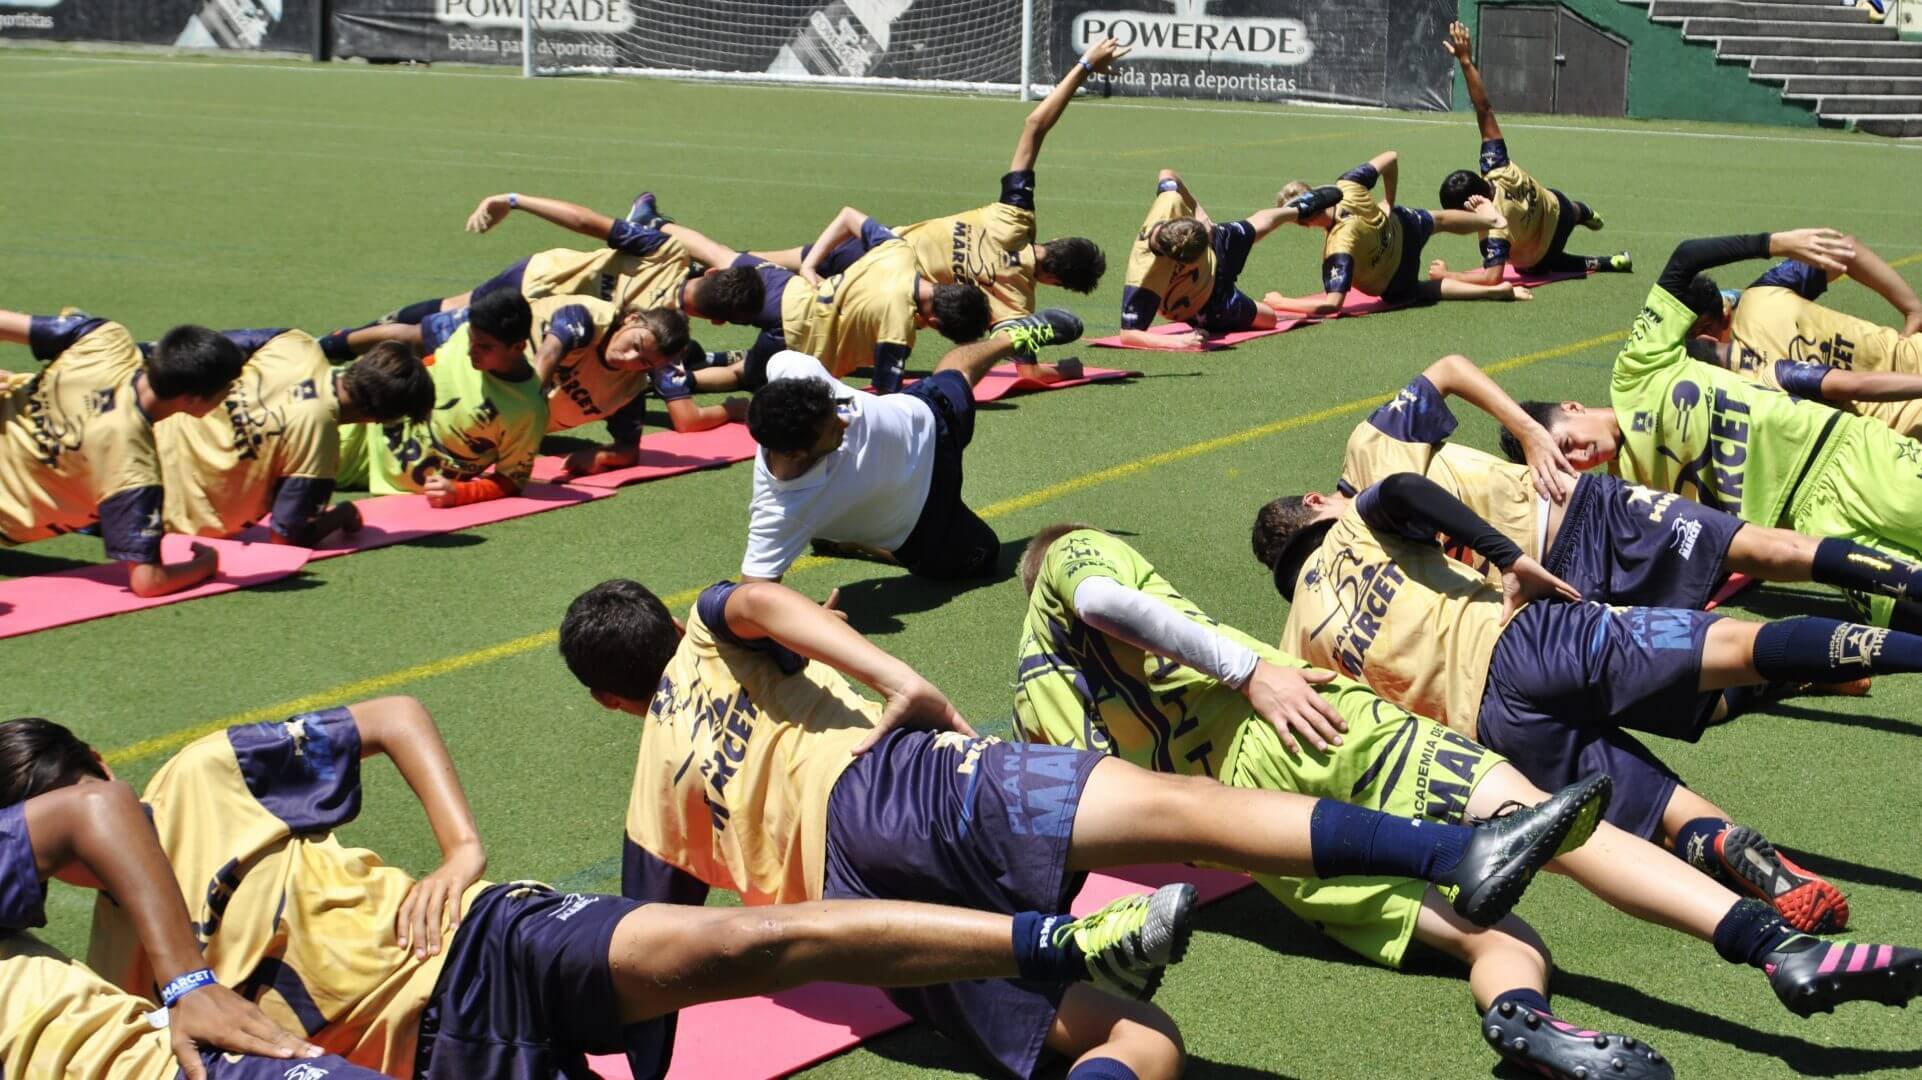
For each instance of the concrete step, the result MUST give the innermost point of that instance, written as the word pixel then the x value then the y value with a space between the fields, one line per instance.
pixel 1698 29
pixel 1741 48
pixel 1777 68
pixel 1868 105
pixel 1810 86
pixel 1671 11
pixel 1894 127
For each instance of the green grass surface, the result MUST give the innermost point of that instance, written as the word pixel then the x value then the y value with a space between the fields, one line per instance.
pixel 156 191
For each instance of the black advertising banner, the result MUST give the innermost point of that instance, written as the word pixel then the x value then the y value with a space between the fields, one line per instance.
pixel 1365 52
pixel 578 32
pixel 279 25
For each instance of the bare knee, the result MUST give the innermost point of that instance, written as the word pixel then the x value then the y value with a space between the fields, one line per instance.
pixel 1776 554
pixel 1149 1044
pixel 1092 1025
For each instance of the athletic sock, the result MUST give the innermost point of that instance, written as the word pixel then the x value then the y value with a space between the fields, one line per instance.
pixel 1346 840
pixel 1101 1069
pixel 1524 997
pixel 1750 931
pixel 1814 649
pixel 1695 845
pixel 1038 957
pixel 413 313
pixel 1849 565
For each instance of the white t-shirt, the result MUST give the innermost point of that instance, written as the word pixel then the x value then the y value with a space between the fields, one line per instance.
pixel 869 491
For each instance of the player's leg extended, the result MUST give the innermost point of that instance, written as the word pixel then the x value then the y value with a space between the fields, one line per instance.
pixel 1559 260
pixel 1867 493
pixel 1786 555
pixel 1736 652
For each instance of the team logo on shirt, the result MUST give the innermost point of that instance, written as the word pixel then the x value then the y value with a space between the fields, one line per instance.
pixel 1835 352
pixel 1683 534
pixel 54 430
pixel 1361 592
pixel 254 422
pixel 304 1071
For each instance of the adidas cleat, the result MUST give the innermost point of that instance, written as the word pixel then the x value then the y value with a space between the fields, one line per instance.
pixel 1542 1044
pixel 1128 944
pixel 1810 975
pixel 1594 222
pixel 1621 263
pixel 1049 326
pixel 1508 849
pixel 1803 900
pixel 645 214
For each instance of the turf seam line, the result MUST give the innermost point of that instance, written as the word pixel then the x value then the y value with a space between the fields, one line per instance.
pixel 361 689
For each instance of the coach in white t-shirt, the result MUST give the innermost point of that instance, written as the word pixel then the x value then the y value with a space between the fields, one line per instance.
pixel 882 474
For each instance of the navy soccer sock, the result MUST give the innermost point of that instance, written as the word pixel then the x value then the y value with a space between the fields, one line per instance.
pixel 413 313
pixel 1038 957
pixel 1526 998
pixel 1814 649
pixel 1101 1069
pixel 1348 840
pixel 1849 565
pixel 1695 844
pixel 1750 931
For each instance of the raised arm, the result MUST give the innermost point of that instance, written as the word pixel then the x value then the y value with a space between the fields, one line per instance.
pixel 1825 249
pixel 572 216
pixel 1459 46
pixel 1873 271
pixel 1457 376
pixel 1042 120
pixel 1167 176
pixel 846 225
pixel 1388 164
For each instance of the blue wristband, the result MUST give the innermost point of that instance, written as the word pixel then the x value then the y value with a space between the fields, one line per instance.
pixel 513 200
pixel 184 985
pixel 1085 66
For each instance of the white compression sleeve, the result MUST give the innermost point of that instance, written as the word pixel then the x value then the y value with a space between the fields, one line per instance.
pixel 1152 626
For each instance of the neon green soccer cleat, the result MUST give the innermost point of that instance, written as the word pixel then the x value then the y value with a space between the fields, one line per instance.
pixel 1129 943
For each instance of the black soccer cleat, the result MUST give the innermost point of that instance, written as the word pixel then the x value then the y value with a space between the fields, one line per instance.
pixel 1507 850
pixel 1049 326
pixel 645 214
pixel 1801 898
pixel 1540 1043
pixel 1811 975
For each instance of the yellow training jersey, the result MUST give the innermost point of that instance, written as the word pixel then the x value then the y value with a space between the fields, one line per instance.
pixel 287 915
pixel 59 1019
pixel 584 387
pixel 75 446
pixel 279 423
pixel 640 268
pixel 848 316
pixel 1365 240
pixel 989 247
pixel 1401 616
pixel 1181 290
pixel 1409 435
pixel 1532 210
pixel 739 752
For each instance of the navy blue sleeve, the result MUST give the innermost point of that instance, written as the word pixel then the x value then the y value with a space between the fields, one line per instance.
pixel 1494 252
pixel 1364 174
pixel 23 896
pixel 1017 189
pixel 626 423
pixel 50 335
pixel 655 881
pixel 1416 508
pixel 672 382
pixel 1494 155
pixel 1337 273
pixel 1138 307
pixel 1804 380
pixel 1314 201
pixel 712 606
pixel 634 239
pixel 890 363
pixel 874 234
pixel 305 770
pixel 1806 281
pixel 250 341
pixel 298 502
pixel 130 524
pixel 1418 414
pixel 573 326
pixel 435 329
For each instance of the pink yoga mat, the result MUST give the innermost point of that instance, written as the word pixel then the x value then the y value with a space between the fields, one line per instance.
pixel 664 454
pixel 765 1037
pixel 1733 587
pixel 70 596
pixel 1005 382
pixel 396 519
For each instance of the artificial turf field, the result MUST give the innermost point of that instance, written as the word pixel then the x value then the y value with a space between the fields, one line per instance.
pixel 157 191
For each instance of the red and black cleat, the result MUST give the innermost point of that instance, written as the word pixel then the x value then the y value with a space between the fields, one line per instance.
pixel 1804 901
pixel 1540 1043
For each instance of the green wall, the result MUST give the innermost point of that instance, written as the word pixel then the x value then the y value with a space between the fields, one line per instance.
pixel 1668 78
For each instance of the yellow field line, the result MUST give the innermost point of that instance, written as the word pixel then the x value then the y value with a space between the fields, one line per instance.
pixel 378 684
pixel 1907 260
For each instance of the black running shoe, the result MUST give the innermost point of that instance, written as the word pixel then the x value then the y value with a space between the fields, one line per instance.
pixel 1049 326
pixel 1540 1043
pixel 1811 975
pixel 645 214
pixel 1507 850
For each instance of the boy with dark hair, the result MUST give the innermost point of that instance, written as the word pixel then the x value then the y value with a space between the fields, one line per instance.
pixel 805 790
pixel 1540 219
pixel 452 976
pixel 77 439
pixel 489 413
pixel 274 446
pixel 880 474
pixel 1376 246
pixel 1711 435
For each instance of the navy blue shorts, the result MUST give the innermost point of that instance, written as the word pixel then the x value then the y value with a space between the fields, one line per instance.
pixel 326 1067
pixel 905 822
pixel 1566 679
pixel 509 278
pixel 526 990
pixel 1629 545
pixel 1228 309
pixel 1416 227
pixel 949 540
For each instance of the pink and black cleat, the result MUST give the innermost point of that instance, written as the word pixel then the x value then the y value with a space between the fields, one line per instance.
pixel 1811 975
pixel 1540 1043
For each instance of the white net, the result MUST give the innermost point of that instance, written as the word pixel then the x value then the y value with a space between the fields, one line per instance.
pixel 957 44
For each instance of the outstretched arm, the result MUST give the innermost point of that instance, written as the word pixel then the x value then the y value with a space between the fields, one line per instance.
pixel 1873 271
pixel 572 216
pixel 1825 249
pixel 1042 120
pixel 1459 46
pixel 1841 384
pixel 1267 221
pixel 1458 376
pixel 15 327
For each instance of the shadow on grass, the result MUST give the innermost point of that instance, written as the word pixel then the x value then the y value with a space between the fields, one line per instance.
pixel 1782 602
pixel 1803 709
pixel 921 1047
pixel 1859 873
pixel 16 563
pixel 877 605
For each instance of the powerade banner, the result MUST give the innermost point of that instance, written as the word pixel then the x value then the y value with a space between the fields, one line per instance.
pixel 1363 52
pixel 583 32
pixel 280 25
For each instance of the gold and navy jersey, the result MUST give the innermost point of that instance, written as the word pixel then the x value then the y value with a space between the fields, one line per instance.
pixel 1703 432
pixel 739 752
pixel 989 247
pixel 1075 686
pixel 1398 614
pixel 272 446
pixel 286 915
pixel 480 422
pixel 1410 435
pixel 57 1018
pixel 1157 284
pixel 1363 247
pixel 640 268
pixel 75 446
pixel 861 316
pixel 584 388
pixel 1532 210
